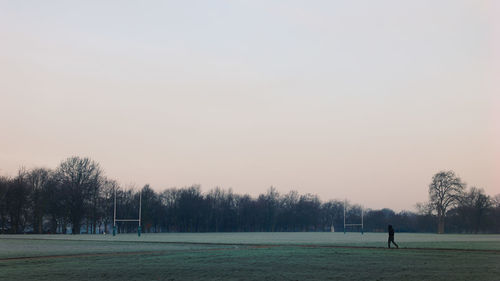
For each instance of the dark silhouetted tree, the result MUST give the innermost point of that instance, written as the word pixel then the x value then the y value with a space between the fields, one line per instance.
pixel 445 191
pixel 4 186
pixel 80 180
pixel 17 203
pixel 38 181
pixel 472 210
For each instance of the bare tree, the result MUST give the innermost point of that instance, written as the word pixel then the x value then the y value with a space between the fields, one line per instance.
pixel 37 180
pixel 4 186
pixel 107 202
pixel 17 204
pixel 80 179
pixel 445 191
pixel 473 209
pixel 496 201
pixel 333 211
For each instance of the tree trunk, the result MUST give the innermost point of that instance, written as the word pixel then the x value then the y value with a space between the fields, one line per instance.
pixel 75 227
pixel 64 227
pixel 37 224
pixel 441 225
pixel 53 225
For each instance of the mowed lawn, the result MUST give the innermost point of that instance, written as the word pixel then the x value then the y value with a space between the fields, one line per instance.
pixel 236 256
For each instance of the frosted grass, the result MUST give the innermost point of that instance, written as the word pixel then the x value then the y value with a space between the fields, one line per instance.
pixel 466 241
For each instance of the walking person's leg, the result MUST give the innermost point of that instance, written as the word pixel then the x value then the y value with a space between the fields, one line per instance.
pixel 392 240
pixel 397 246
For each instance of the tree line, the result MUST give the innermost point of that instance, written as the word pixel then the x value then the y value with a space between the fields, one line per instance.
pixel 77 197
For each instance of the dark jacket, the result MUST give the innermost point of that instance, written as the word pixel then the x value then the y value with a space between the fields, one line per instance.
pixel 391 232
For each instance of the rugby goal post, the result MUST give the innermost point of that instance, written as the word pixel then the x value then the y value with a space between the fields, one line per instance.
pixel 352 224
pixel 137 220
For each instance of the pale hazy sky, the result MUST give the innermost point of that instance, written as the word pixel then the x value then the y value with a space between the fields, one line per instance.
pixel 363 100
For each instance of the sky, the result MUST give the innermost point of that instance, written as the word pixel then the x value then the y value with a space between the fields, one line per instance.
pixel 356 100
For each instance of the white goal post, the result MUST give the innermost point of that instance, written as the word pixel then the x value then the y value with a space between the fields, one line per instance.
pixel 353 224
pixel 137 220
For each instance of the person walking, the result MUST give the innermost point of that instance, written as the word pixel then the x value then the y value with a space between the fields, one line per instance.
pixel 391 238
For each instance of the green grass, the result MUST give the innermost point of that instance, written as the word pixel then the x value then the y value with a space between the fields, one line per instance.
pixel 286 257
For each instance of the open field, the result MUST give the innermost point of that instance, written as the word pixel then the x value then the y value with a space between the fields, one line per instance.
pixel 254 256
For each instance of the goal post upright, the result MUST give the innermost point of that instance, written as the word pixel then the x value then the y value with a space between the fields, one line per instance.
pixel 140 208
pixel 344 213
pixel 362 214
pixel 114 215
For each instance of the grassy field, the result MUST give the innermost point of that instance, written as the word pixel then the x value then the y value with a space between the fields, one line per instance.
pixel 249 256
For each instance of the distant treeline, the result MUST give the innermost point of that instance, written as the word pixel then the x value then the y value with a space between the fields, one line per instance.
pixel 77 195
